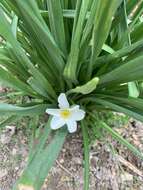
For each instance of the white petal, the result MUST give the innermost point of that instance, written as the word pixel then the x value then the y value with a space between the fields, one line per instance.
pixel 55 112
pixel 74 107
pixel 57 122
pixel 77 114
pixel 72 126
pixel 63 102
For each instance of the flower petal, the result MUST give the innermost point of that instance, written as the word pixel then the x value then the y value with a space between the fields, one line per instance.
pixel 77 114
pixel 74 107
pixel 63 102
pixel 72 126
pixel 57 122
pixel 55 112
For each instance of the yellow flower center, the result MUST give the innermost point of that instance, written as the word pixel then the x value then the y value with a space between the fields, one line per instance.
pixel 65 114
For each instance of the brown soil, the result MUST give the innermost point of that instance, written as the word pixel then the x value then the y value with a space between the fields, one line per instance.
pixel 111 168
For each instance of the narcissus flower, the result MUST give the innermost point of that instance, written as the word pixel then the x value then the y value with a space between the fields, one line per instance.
pixel 65 114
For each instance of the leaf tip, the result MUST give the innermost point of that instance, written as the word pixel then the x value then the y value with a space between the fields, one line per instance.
pixel 25 187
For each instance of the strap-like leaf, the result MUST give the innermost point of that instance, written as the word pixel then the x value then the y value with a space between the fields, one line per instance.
pixel 9 80
pixel 104 14
pixel 86 88
pixel 41 163
pixel 71 66
pixel 5 30
pixel 119 138
pixel 57 24
pixel 8 109
pixel 130 71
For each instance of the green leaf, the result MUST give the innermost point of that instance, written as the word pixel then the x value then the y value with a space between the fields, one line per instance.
pixel 9 120
pixel 27 64
pixel 29 12
pixel 54 46
pixel 108 49
pixel 37 87
pixel 42 161
pixel 132 108
pixel 89 24
pixel 133 90
pixel 66 13
pixel 120 108
pixel 57 24
pixel 130 71
pixel 8 109
pixel 137 33
pixel 11 81
pixel 103 19
pixel 121 53
pixel 70 70
pixel 137 13
pixel 119 138
pixel 86 88
pixel 41 136
pixel 130 101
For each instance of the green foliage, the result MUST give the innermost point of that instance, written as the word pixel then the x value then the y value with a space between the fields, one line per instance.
pixel 42 158
pixel 86 88
pixel 121 139
pixel 85 48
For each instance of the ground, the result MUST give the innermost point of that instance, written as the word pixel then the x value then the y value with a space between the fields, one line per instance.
pixel 113 167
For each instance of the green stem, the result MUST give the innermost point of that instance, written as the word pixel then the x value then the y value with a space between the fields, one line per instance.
pixel 86 155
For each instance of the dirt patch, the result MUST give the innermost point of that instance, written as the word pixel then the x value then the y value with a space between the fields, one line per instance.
pixel 13 156
pixel 113 167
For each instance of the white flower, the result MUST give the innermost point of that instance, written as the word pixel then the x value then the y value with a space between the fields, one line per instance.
pixel 65 115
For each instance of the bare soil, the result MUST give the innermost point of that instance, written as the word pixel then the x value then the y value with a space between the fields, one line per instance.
pixel 113 167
